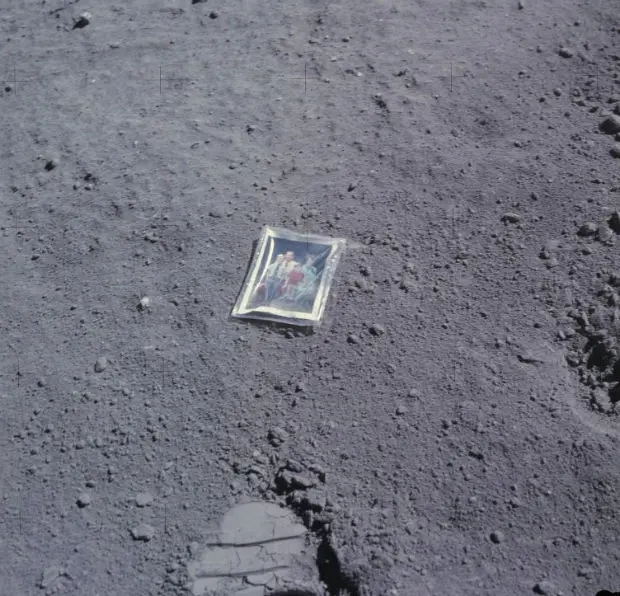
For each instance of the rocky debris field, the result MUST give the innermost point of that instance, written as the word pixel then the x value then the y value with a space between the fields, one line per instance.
pixel 452 427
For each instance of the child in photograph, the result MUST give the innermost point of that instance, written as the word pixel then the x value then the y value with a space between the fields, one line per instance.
pixel 304 292
pixel 293 280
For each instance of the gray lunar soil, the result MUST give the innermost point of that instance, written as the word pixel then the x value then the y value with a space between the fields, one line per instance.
pixel 451 426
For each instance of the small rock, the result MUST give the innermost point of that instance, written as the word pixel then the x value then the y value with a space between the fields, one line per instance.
pixel 520 5
pixel 587 229
pixel 552 262
pixel 144 499
pixel 496 537
pixel 511 217
pixel 144 303
pixel 353 339
pixel 380 101
pixel 600 401
pixel 101 365
pixel 83 20
pixel 49 576
pixel 376 329
pixel 604 233
pixel 315 499
pixel 615 151
pixel 401 410
pixel 614 222
pixel 291 481
pixel 611 125
pixel 546 588
pixel 316 468
pixel 51 164
pixel 544 254
pixel 143 532
pixel 83 500
pixel 352 186
pixel 565 52
pixel 213 15
pixel 276 436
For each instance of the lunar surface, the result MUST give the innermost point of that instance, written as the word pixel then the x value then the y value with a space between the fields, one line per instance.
pixel 452 425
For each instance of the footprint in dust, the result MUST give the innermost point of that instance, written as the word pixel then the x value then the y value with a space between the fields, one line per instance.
pixel 260 548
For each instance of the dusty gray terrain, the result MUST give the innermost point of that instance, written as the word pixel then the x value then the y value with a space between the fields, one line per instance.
pixel 450 428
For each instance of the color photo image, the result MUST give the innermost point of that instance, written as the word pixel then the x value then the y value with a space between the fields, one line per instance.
pixel 290 277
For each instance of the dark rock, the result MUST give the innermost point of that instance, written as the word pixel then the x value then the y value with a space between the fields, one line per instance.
pixel 546 588
pixel 277 436
pixel 376 329
pixel 83 500
pixel 611 125
pixel 83 20
pixel 587 229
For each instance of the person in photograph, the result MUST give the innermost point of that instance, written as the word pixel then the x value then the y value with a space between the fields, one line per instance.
pixel 293 280
pixel 268 285
pixel 289 263
pixel 284 271
pixel 304 292
pixel 274 277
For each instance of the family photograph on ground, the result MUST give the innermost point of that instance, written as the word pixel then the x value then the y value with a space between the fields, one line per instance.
pixel 290 281
pixel 290 277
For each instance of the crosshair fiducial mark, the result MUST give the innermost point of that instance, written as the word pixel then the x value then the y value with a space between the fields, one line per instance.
pixel 305 78
pixel 19 369
pixel 18 374
pixel 14 79
pixel 596 75
pixel 171 79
